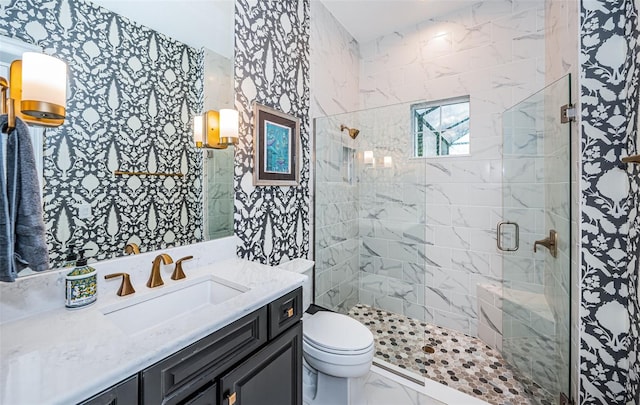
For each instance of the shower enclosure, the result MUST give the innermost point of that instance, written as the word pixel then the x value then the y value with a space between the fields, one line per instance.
pixel 416 236
pixel 536 197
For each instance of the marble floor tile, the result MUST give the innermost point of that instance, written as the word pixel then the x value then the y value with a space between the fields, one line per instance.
pixel 454 359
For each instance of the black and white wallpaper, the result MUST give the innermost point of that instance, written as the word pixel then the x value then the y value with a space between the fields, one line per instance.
pixel 271 68
pixel 131 98
pixel 633 248
pixel 609 223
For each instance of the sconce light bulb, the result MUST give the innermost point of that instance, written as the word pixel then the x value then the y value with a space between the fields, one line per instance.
pixel 368 157
pixel 228 126
pixel 197 130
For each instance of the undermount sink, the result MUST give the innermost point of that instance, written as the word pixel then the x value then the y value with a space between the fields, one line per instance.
pixel 140 313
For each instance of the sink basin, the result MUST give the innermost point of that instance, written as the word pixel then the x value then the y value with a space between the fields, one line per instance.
pixel 140 313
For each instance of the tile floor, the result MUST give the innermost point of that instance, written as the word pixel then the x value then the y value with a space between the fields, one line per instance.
pixel 458 361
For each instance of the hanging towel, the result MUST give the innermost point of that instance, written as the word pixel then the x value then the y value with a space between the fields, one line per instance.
pixel 7 273
pixel 26 225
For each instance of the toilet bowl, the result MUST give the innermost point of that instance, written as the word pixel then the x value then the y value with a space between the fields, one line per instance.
pixel 337 350
pixel 336 344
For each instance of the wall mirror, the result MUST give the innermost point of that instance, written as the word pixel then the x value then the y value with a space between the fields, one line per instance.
pixel 136 81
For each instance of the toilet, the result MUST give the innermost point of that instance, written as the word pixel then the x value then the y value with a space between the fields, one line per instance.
pixel 337 350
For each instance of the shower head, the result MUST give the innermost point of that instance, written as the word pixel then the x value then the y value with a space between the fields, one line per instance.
pixel 353 133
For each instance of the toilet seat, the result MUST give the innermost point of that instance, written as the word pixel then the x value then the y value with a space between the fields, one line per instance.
pixel 325 349
pixel 336 333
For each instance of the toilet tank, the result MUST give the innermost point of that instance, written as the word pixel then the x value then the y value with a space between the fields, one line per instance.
pixel 302 266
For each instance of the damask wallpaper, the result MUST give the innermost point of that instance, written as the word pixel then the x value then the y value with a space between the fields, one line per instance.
pixel 633 248
pixel 131 97
pixel 271 68
pixel 609 103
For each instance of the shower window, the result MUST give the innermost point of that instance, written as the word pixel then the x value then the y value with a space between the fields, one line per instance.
pixel 441 128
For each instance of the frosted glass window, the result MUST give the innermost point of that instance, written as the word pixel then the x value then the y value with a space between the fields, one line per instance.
pixel 441 128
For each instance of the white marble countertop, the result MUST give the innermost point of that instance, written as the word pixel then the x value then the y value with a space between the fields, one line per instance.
pixel 65 356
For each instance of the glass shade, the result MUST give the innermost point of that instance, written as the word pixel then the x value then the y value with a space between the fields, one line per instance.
pixel 44 79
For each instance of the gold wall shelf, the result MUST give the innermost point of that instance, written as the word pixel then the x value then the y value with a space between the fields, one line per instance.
pixel 631 159
pixel 125 173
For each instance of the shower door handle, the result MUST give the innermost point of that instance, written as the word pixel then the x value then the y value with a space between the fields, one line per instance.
pixel 499 236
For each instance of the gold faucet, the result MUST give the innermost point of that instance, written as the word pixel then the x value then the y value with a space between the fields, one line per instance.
pixel 132 249
pixel 155 279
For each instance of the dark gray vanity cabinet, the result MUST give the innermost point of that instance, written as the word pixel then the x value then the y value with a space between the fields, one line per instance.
pixel 271 376
pixel 124 393
pixel 254 360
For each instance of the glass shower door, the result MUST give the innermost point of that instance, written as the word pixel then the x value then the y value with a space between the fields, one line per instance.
pixel 537 262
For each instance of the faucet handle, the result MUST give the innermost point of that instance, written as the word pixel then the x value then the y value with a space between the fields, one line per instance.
pixel 125 287
pixel 178 274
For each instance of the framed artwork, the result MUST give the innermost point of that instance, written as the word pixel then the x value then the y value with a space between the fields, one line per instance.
pixel 276 141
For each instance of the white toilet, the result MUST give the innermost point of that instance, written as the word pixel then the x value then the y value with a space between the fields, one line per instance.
pixel 337 350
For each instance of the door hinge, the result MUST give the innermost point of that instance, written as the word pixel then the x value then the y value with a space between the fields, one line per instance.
pixel 567 113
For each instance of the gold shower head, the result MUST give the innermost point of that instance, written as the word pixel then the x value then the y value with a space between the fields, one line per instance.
pixel 353 132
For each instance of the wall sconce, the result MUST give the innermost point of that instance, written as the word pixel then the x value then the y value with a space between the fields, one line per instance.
pixel 216 130
pixel 368 157
pixel 388 161
pixel 36 91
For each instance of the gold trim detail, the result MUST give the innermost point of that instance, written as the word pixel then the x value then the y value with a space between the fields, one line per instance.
pixel 126 173
pixel 631 159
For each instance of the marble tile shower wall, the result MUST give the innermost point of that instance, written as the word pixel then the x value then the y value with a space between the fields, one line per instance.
pixel 335 61
pixel 337 206
pixel 562 20
pixel 393 235
pixel 218 164
pixel 493 52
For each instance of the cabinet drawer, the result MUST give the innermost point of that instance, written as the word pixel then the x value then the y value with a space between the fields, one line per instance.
pixel 284 312
pixel 174 379
pixel 124 393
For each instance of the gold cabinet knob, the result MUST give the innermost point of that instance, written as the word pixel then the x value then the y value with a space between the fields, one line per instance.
pixel 290 312
pixel 231 398
pixel 125 287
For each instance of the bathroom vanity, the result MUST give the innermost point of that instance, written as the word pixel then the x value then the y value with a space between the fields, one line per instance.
pixel 255 360
pixel 245 348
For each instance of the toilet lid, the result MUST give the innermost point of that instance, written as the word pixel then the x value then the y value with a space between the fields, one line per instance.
pixel 336 332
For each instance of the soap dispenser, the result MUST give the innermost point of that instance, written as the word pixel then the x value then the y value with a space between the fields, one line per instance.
pixel 81 284
pixel 72 257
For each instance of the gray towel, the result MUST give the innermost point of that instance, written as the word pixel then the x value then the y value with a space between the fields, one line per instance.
pixel 7 272
pixel 26 224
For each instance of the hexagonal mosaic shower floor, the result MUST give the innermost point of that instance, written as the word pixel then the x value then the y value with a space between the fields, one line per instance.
pixel 452 358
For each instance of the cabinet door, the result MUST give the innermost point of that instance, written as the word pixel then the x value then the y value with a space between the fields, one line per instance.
pixel 176 378
pixel 273 376
pixel 124 393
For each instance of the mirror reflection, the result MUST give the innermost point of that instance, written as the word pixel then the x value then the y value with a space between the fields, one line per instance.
pixel 133 92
